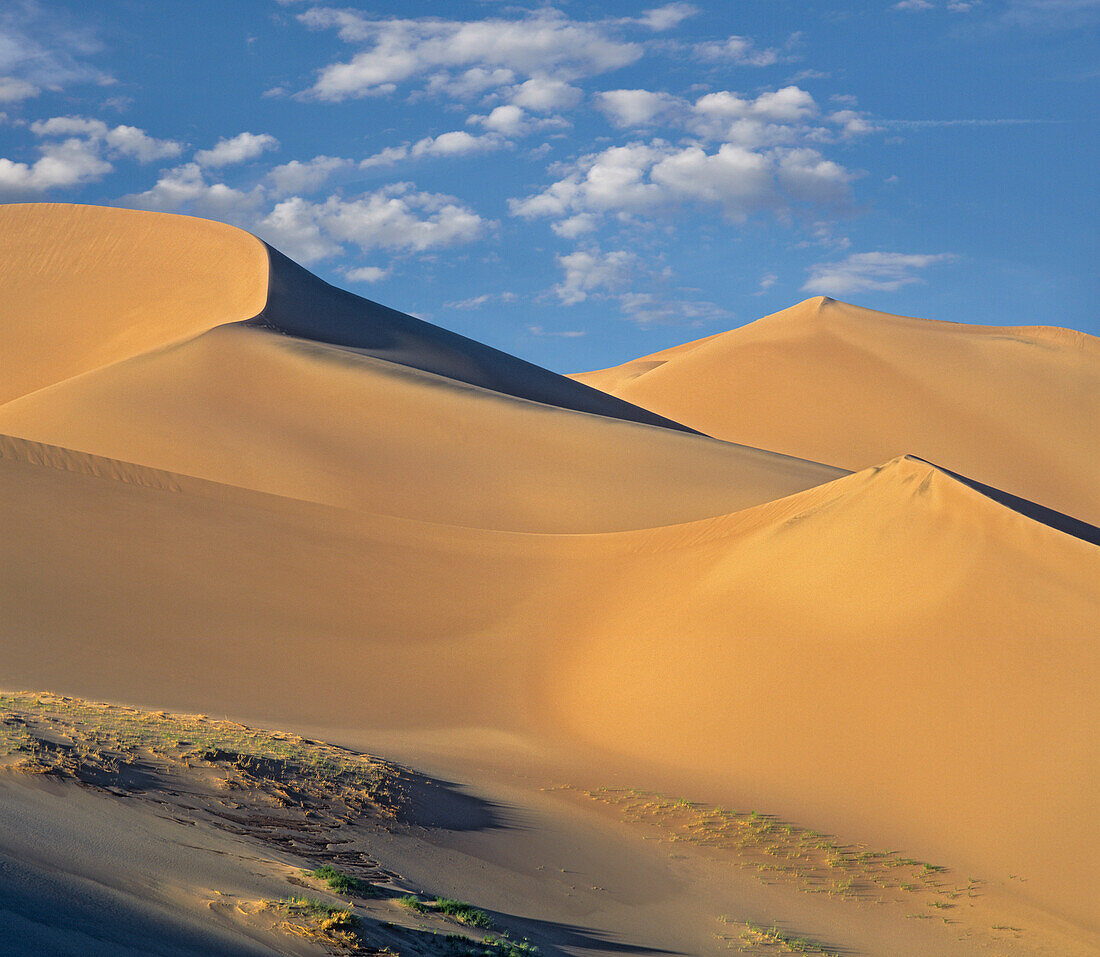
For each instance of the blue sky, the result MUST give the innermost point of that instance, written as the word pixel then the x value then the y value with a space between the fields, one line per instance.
pixel 583 183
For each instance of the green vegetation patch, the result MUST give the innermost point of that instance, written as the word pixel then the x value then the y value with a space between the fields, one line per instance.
pixel 463 913
pixel 343 883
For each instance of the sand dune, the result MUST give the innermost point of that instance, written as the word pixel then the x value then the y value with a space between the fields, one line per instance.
pixel 86 286
pixel 236 489
pixel 293 417
pixel 834 645
pixel 330 398
pixel 1014 407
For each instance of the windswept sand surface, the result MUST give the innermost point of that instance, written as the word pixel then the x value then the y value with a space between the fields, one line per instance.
pixel 309 530
pixel 1013 407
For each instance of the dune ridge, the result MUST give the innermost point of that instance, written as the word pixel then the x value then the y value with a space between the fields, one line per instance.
pixel 1013 407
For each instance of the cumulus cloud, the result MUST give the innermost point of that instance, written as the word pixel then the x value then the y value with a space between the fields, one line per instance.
pixel 450 144
pixel 396 217
pixel 543 43
pixel 185 189
pixel 70 162
pixel 737 49
pixel 307 177
pixel 542 95
pixel 118 141
pixel 512 120
pixel 237 149
pixel 12 89
pixel 366 274
pixel 640 177
pixel 879 271
pixel 386 157
pixel 589 271
pixel 625 108
pixel 78 150
pixel 668 16
pixel 455 143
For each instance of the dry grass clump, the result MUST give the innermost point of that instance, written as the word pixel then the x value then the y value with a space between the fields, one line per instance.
pixel 315 920
pixel 773 939
pixel 780 851
pixel 98 742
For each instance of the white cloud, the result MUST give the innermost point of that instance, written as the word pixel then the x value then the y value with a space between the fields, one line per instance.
pixel 852 123
pixel 119 141
pixel 40 49
pixel 561 334
pixel 184 189
pixel 738 50
pixel 645 308
pixel 386 157
pixel 574 226
pixel 542 95
pixel 589 271
pixel 508 120
pixel 237 149
pixel 476 302
pixel 859 272
pixel 70 162
pixel 297 177
pixel 366 274
pixel 735 179
pixel 395 217
pixel 806 175
pixel 294 227
pixel 12 89
pixel 626 108
pixel 641 177
pixel 469 83
pixel 668 16
pixel 543 43
pixel 455 143
pixel 130 141
pixel 768 280
pixel 955 6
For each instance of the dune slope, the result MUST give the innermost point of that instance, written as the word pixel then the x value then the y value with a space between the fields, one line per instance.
pixel 84 286
pixel 833 645
pixel 1013 407
pixel 279 414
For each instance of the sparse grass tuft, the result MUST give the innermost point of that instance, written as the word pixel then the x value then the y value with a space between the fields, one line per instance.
pixel 773 937
pixel 412 902
pixel 343 883
pixel 463 913
pixel 812 861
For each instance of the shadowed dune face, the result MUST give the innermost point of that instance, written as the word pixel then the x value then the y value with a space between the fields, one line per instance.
pixel 85 286
pixel 300 304
pixel 1015 408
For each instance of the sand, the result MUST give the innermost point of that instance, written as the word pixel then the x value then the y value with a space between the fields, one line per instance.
pixel 249 521
pixel 1013 407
